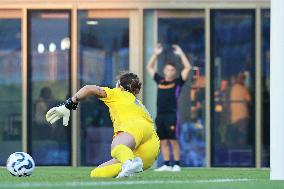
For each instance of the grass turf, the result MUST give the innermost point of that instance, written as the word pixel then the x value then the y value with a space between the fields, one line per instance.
pixel 214 178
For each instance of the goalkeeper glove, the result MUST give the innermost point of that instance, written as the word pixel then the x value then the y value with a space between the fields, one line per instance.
pixel 61 111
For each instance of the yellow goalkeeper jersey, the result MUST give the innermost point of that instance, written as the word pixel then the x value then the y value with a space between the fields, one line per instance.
pixel 125 108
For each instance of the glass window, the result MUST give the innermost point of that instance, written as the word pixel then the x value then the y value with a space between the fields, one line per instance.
pixel 103 53
pixel 232 87
pixel 265 57
pixel 187 29
pixel 49 84
pixel 10 84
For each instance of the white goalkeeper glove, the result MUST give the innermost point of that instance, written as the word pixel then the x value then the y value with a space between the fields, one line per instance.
pixel 63 111
pixel 57 113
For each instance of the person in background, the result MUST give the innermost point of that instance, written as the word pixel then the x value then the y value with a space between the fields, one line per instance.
pixel 169 88
pixel 240 99
pixel 42 104
pixel 222 108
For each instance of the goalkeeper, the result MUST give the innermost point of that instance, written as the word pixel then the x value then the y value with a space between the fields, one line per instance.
pixel 135 144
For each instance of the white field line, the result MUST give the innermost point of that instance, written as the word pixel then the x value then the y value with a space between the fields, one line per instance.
pixel 115 183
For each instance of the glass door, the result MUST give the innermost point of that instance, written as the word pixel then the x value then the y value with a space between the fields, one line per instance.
pixel 187 29
pixel 103 52
pixel 48 84
pixel 10 83
pixel 232 88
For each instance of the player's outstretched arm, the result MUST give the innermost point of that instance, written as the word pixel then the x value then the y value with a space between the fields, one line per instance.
pixel 184 60
pixel 63 111
pixel 88 90
pixel 151 64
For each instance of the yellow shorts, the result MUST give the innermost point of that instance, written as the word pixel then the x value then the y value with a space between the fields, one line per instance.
pixel 146 139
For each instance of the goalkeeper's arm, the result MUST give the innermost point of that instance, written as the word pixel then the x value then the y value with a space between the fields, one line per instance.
pixel 63 111
pixel 88 90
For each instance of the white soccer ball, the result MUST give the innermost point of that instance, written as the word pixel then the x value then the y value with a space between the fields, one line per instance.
pixel 20 164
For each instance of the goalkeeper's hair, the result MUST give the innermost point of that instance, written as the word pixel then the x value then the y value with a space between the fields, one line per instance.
pixel 130 82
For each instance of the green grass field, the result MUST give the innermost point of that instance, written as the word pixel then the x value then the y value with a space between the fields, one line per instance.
pixel 215 178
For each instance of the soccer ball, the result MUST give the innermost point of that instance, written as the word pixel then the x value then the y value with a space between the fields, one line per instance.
pixel 20 164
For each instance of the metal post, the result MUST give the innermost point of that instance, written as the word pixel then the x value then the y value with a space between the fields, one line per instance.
pixel 277 91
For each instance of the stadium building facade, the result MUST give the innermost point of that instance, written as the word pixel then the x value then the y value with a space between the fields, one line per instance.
pixel 48 50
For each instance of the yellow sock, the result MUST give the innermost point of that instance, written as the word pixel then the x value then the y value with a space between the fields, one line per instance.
pixel 122 153
pixel 108 171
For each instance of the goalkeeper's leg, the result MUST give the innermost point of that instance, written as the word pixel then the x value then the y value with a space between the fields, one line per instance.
pixel 121 151
pixel 122 146
pixel 148 151
pixel 108 169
